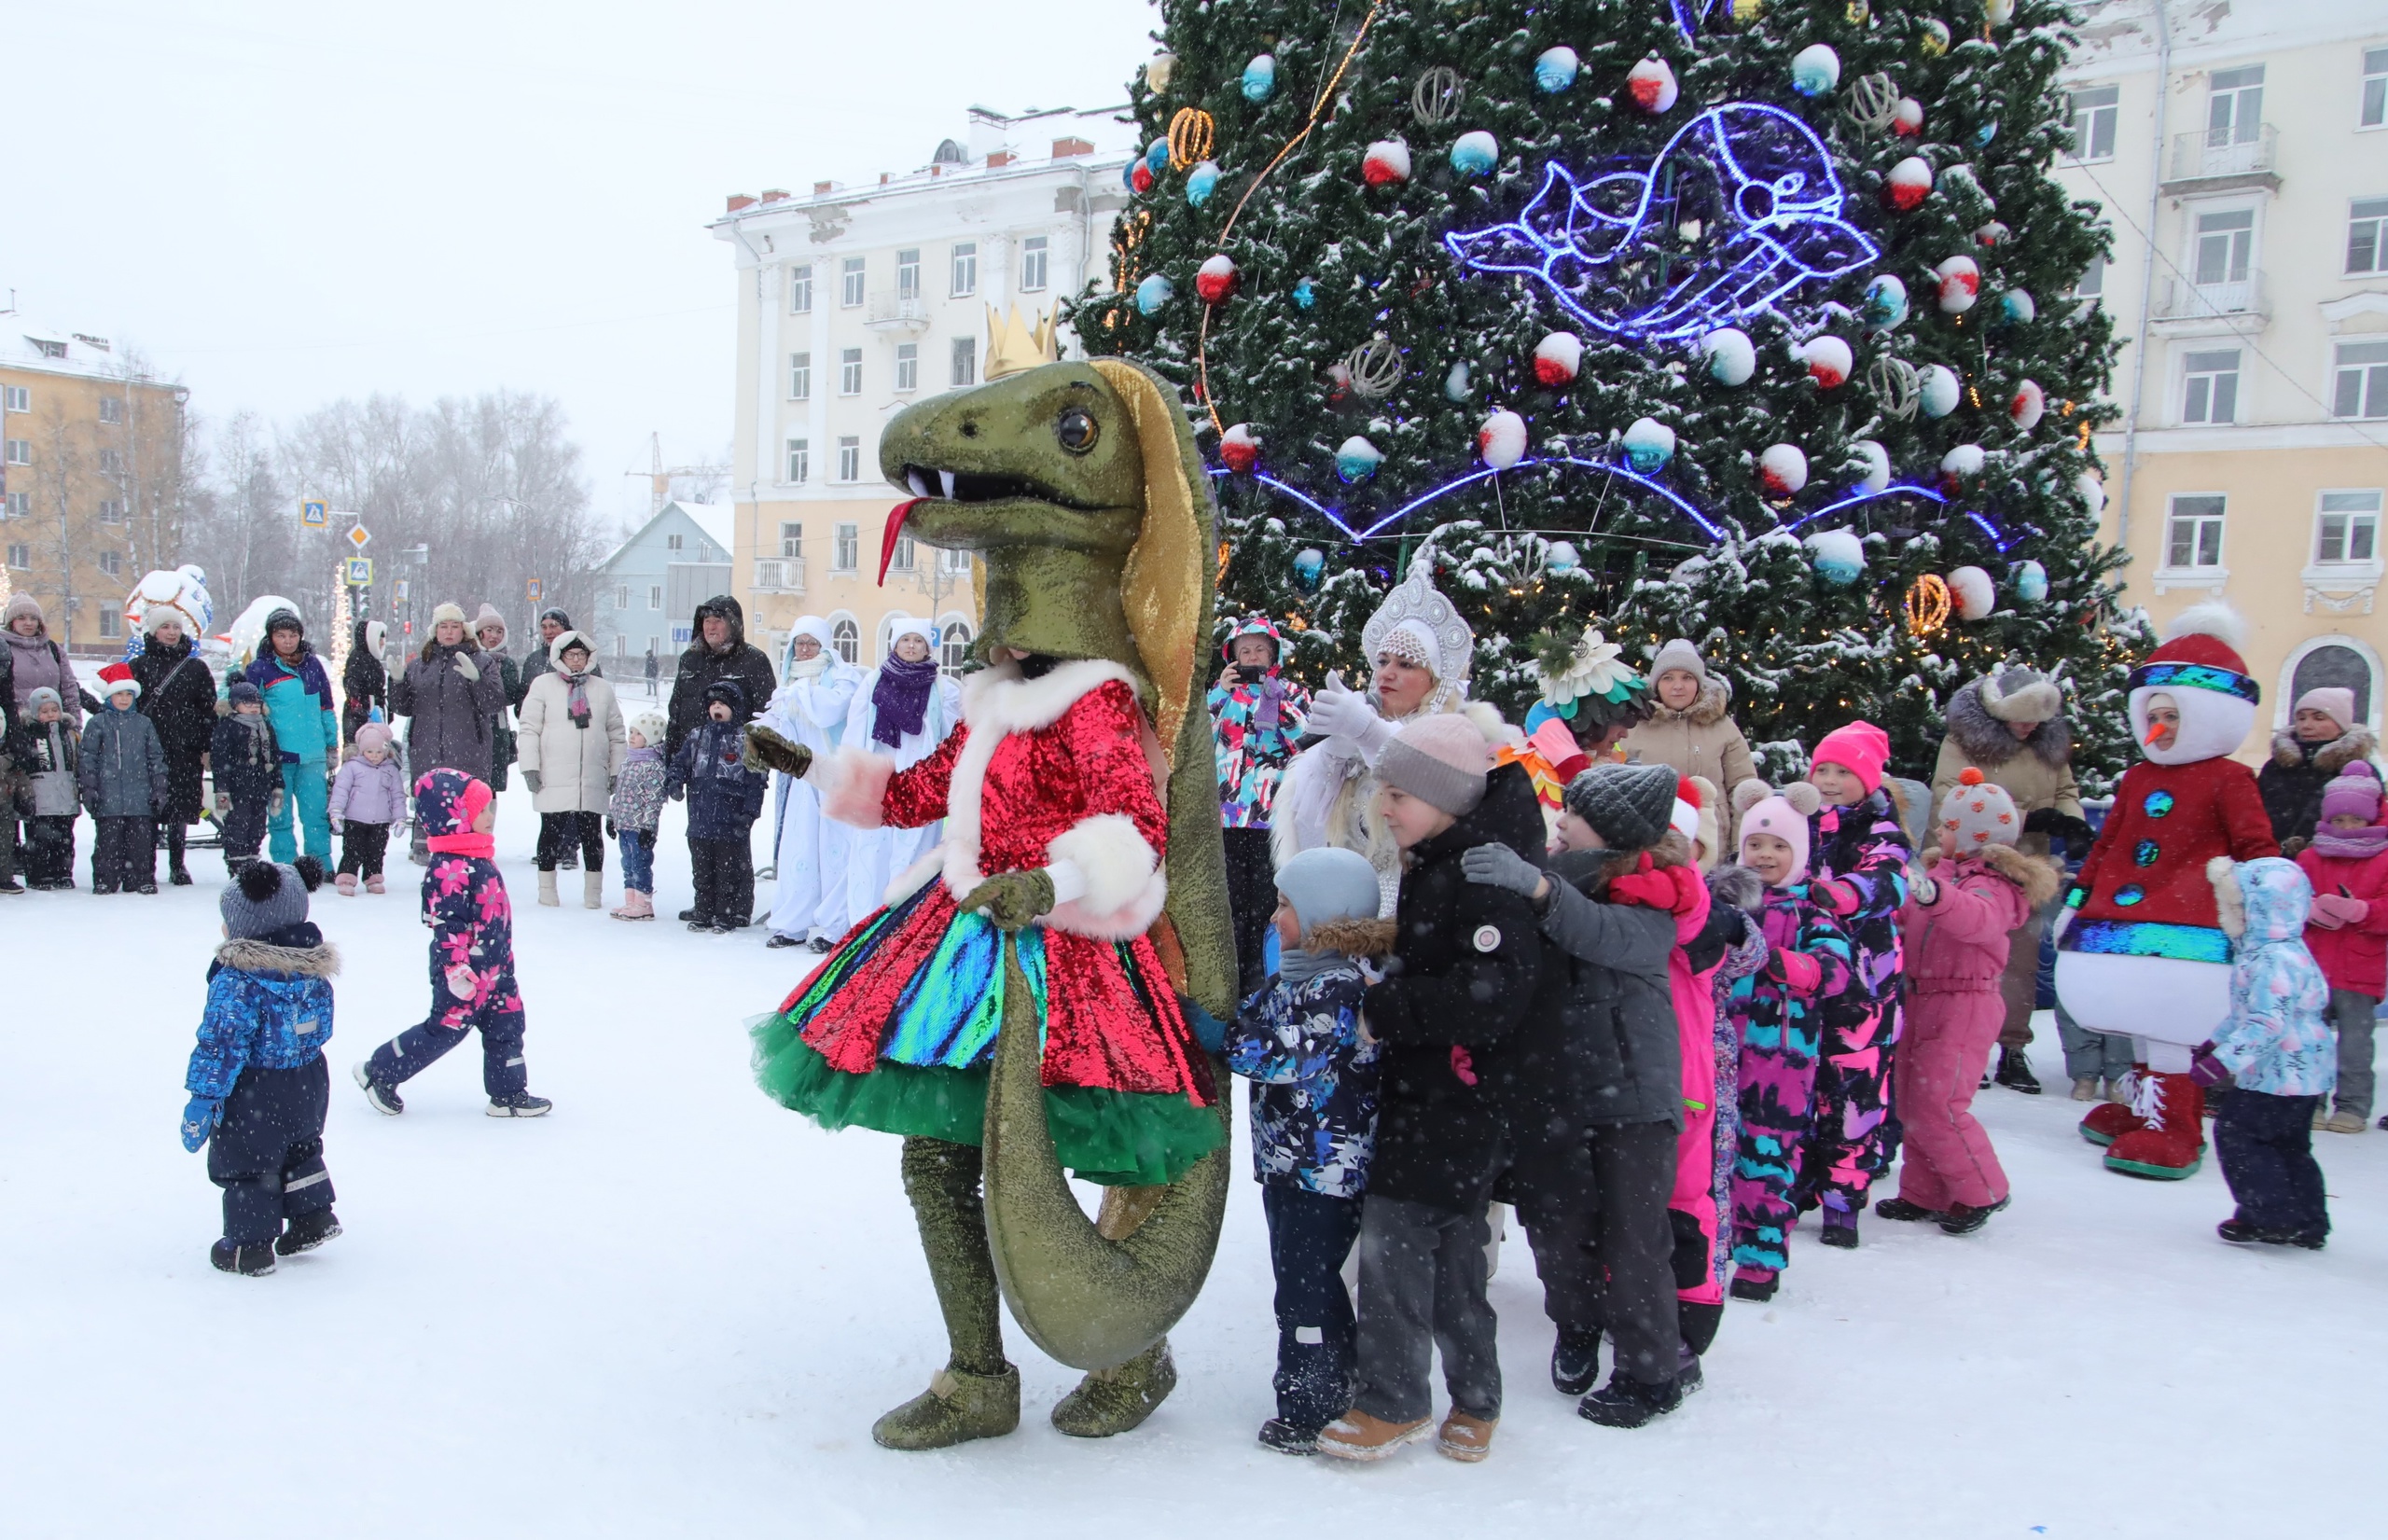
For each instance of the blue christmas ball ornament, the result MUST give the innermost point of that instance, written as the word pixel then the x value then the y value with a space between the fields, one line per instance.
pixel 1837 555
pixel 2031 582
pixel 1885 303
pixel 1128 173
pixel 1309 566
pixel 1305 294
pixel 1555 71
pixel 1561 559
pixel 1475 153
pixel 1157 156
pixel 1984 134
pixel 1153 292
pixel 1649 444
pixel 2018 306
pixel 1202 181
pixel 1815 69
pixel 1357 459
pixel 1260 78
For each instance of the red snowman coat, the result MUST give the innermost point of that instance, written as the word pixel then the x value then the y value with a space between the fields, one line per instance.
pixel 2144 880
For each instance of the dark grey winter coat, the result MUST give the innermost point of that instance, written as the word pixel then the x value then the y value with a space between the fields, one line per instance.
pixel 449 696
pixel 701 667
pixel 123 766
pixel 1600 1045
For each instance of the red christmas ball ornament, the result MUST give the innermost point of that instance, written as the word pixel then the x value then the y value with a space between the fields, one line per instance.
pixel 2028 405
pixel 1906 119
pixel 1908 183
pixel 1387 161
pixel 1239 447
pixel 1652 85
pixel 1140 177
pixel 1960 284
pixel 1782 470
pixel 1214 280
pixel 1829 360
pixel 1557 357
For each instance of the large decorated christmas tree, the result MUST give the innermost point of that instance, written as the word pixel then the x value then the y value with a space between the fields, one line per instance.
pixel 1744 321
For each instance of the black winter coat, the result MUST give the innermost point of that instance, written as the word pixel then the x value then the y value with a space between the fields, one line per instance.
pixel 1600 1044
pixel 245 758
pixel 701 666
pixel 364 683
pixel 1462 977
pixel 179 699
pixel 2293 778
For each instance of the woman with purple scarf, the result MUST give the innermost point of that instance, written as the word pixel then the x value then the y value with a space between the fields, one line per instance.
pixel 904 708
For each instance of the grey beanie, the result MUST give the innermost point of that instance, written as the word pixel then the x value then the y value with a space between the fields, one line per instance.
pixel 268 896
pixel 1327 884
pixel 1630 807
pixel 1679 654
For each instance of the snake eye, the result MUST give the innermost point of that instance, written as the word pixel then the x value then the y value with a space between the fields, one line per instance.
pixel 1078 430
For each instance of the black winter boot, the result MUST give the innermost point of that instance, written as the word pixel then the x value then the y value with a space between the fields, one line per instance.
pixel 1900 1208
pixel 1576 1359
pixel 306 1232
pixel 1626 1402
pixel 2015 1072
pixel 250 1261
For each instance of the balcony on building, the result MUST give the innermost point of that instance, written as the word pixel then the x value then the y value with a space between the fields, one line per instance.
pixel 778 574
pixel 2234 304
pixel 2223 158
pixel 891 310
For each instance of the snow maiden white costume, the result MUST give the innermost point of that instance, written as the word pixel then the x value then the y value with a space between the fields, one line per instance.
pixel 905 710
pixel 811 709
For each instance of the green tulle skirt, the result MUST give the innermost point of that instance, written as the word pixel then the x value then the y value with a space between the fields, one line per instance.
pixel 1119 1139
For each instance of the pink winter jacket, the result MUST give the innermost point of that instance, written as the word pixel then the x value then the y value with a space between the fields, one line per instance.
pixel 1958 943
pixel 2353 957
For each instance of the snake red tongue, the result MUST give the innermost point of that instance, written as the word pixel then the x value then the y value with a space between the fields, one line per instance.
pixel 887 542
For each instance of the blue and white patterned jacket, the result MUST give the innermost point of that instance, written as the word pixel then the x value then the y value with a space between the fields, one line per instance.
pixel 1314 1082
pixel 2277 1038
pixel 269 1006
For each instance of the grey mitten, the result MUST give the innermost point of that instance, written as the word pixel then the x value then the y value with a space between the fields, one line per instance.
pixel 1499 867
pixel 530 779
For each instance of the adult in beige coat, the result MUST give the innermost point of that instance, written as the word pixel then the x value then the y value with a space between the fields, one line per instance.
pixel 2011 727
pixel 570 744
pixel 1690 729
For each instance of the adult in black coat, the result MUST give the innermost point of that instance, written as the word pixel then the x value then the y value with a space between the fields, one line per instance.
pixel 2323 738
pixel 717 649
pixel 179 697
pixel 364 682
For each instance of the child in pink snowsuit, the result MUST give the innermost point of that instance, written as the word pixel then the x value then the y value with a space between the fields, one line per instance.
pixel 1977 891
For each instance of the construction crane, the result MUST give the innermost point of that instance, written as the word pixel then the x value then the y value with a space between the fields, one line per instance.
pixel 659 474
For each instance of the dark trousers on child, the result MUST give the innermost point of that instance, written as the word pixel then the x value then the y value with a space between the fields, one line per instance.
pixel 1604 1245
pixel 362 847
pixel 1310 1234
pixel 724 870
pixel 124 853
pixel 268 1152
pixel 1252 898
pixel 49 851
pixel 244 831
pixel 2267 1148
pixel 561 833
pixel 1422 1272
pixel 421 1045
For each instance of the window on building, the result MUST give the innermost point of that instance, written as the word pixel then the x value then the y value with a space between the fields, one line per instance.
pixel 906 556
pixel 111 461
pixel 655 596
pixel 2092 284
pixel 954 646
pixel 908 274
pixel 2367 236
pixel 1033 269
pixel 2375 87
pixel 850 371
pixel 907 367
pixel 849 279
pixel 2210 386
pixel 111 408
pixel 800 377
pixel 953 561
pixel 799 289
pixel 2361 387
pixel 111 562
pixel 2093 122
pixel 621 596
pixel 800 461
pixel 849 554
pixel 849 459
pixel 20 556
pixel 16 398
pixel 2226 244
pixel 111 624
pixel 791 538
pixel 20 452
pixel 621 645
pixel 48 347
pixel 845 637
pixel 111 510
pixel 672 542
pixel 966 267
pixel 19 505
pixel 2193 531
pixel 2234 107
pixel 966 361
pixel 2348 528
pixel 770 573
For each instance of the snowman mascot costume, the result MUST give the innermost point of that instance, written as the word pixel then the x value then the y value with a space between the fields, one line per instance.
pixel 2140 945
pixel 811 709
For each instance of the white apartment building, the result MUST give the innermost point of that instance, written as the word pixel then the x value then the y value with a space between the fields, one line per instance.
pixel 853 303
pixel 2240 154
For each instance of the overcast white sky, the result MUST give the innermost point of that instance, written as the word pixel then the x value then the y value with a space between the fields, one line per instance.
pixel 285 201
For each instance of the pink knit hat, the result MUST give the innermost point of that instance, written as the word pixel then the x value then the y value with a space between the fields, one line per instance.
pixel 1861 748
pixel 2355 789
pixel 1439 760
pixel 2335 701
pixel 1783 814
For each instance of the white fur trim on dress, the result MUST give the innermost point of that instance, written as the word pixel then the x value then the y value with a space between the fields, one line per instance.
pixel 853 785
pixel 914 877
pixel 1124 887
pixel 998 700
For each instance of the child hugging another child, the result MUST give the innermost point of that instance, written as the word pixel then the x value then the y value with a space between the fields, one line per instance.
pixel 1977 892
pixel 1313 1108
pixel 369 796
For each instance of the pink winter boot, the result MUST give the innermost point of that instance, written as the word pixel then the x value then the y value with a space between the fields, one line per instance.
pixel 373 883
pixel 635 906
pixel 347 884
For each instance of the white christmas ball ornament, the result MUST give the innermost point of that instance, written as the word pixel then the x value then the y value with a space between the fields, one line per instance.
pixel 1732 358
pixel 2031 582
pixel 1815 70
pixel 1998 12
pixel 2030 405
pixel 1960 465
pixel 1973 593
pixel 1878 464
pixel 1502 439
pixel 1557 357
pixel 1652 86
pixel 1455 383
pixel 1649 444
pixel 1941 391
pixel 1782 470
pixel 2092 492
pixel 1838 556
pixel 1829 360
pixel 1960 284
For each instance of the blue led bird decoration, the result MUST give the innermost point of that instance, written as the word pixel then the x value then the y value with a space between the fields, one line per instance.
pixel 1749 186
pixel 1690 13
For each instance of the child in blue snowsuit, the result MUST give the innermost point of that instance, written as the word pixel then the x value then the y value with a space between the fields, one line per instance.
pixel 1314 1124
pixel 259 1091
pixel 472 956
pixel 724 799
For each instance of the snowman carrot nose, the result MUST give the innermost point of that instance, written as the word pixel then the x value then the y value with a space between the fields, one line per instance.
pixel 2155 731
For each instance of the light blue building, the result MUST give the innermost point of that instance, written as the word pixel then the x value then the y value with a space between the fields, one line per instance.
pixel 649 588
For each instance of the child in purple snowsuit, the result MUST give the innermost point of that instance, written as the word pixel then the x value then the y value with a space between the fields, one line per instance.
pixel 1779 1013
pixel 1859 864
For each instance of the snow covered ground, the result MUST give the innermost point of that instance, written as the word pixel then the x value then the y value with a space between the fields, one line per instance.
pixel 673 1307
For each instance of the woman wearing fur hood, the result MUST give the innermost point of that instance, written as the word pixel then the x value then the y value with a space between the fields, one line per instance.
pixel 1419 651
pixel 1690 727
pixel 2323 737
pixel 2011 725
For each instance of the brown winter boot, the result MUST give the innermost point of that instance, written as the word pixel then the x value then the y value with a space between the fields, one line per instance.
pixel 592 890
pixel 1361 1435
pixel 2109 1121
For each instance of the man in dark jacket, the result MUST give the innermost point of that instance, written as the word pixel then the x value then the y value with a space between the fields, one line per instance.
pixel 1595 1078
pixel 717 650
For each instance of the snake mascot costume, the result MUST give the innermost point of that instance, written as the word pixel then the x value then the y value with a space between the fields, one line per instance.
pixel 1035 993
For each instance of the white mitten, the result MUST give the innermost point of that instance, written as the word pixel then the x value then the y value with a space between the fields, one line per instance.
pixel 1340 712
pixel 465 666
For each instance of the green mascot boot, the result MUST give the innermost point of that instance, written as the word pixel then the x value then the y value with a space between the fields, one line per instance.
pixel 1109 1401
pixel 956 1409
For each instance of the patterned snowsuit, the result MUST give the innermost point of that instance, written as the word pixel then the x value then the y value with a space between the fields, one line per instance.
pixel 1859 876
pixel 1778 1013
pixel 472 924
